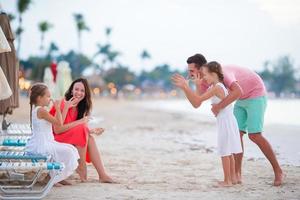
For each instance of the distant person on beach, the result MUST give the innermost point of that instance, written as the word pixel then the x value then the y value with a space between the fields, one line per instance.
pixel 42 140
pixel 248 90
pixel 229 142
pixel 76 105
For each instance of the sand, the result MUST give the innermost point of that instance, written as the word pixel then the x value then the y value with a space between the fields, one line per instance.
pixel 146 151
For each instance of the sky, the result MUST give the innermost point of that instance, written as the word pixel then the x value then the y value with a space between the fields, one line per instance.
pixel 241 32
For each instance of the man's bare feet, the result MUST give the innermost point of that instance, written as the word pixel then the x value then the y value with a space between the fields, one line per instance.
pixel 234 179
pixel 279 179
pixel 238 178
pixel 65 182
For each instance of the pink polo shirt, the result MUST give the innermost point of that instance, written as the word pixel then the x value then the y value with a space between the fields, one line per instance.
pixel 250 82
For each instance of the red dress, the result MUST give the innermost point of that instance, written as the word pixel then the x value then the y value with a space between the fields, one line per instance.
pixel 77 135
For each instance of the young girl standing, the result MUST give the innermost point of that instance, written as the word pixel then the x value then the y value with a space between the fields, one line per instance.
pixel 42 140
pixel 228 133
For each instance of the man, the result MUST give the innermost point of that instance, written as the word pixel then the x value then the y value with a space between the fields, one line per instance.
pixel 248 90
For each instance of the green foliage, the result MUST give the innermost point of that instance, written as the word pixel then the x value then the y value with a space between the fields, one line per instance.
pixel 77 62
pixel 160 75
pixel 80 23
pixel 281 77
pixel 81 26
pixel 52 49
pixel 108 31
pixel 11 17
pixel 19 31
pixel 108 55
pixel 37 65
pixel 23 5
pixel 44 26
pixel 120 76
pixel 145 55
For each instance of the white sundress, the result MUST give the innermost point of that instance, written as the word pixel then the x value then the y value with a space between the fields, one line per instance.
pixel 42 141
pixel 229 141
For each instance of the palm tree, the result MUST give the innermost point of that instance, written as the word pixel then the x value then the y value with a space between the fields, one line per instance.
pixel 81 26
pixel 22 6
pixel 108 55
pixel 44 26
pixel 108 31
pixel 112 57
pixel 11 17
pixel 52 49
pixel 144 56
pixel 104 51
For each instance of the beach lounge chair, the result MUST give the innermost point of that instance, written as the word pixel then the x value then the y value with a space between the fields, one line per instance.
pixel 17 129
pixel 19 142
pixel 15 156
pixel 21 155
pixel 9 192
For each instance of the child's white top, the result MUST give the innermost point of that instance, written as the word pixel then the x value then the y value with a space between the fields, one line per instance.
pixel 216 100
pixel 41 133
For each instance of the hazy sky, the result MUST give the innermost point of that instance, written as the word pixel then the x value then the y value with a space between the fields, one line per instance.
pixel 243 32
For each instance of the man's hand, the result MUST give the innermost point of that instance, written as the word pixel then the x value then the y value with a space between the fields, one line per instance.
pixel 179 81
pixel 215 108
pixel 234 94
pixel 197 79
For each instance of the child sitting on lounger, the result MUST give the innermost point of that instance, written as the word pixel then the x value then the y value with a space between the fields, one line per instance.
pixel 42 140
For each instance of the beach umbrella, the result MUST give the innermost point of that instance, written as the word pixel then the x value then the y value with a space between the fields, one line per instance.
pixel 48 80
pixel 63 78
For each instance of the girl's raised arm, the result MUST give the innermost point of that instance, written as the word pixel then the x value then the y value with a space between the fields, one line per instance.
pixel 43 114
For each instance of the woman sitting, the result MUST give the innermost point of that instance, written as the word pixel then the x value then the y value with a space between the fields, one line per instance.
pixel 79 104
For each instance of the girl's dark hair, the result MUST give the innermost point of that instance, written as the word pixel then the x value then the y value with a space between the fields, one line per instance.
pixel 35 91
pixel 198 59
pixel 85 105
pixel 216 68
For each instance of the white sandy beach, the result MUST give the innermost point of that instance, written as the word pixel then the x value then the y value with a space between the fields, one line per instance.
pixel 145 150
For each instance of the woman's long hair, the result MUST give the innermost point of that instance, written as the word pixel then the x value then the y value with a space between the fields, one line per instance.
pixel 85 105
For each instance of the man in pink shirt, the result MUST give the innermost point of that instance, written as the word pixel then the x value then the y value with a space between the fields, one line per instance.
pixel 248 90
